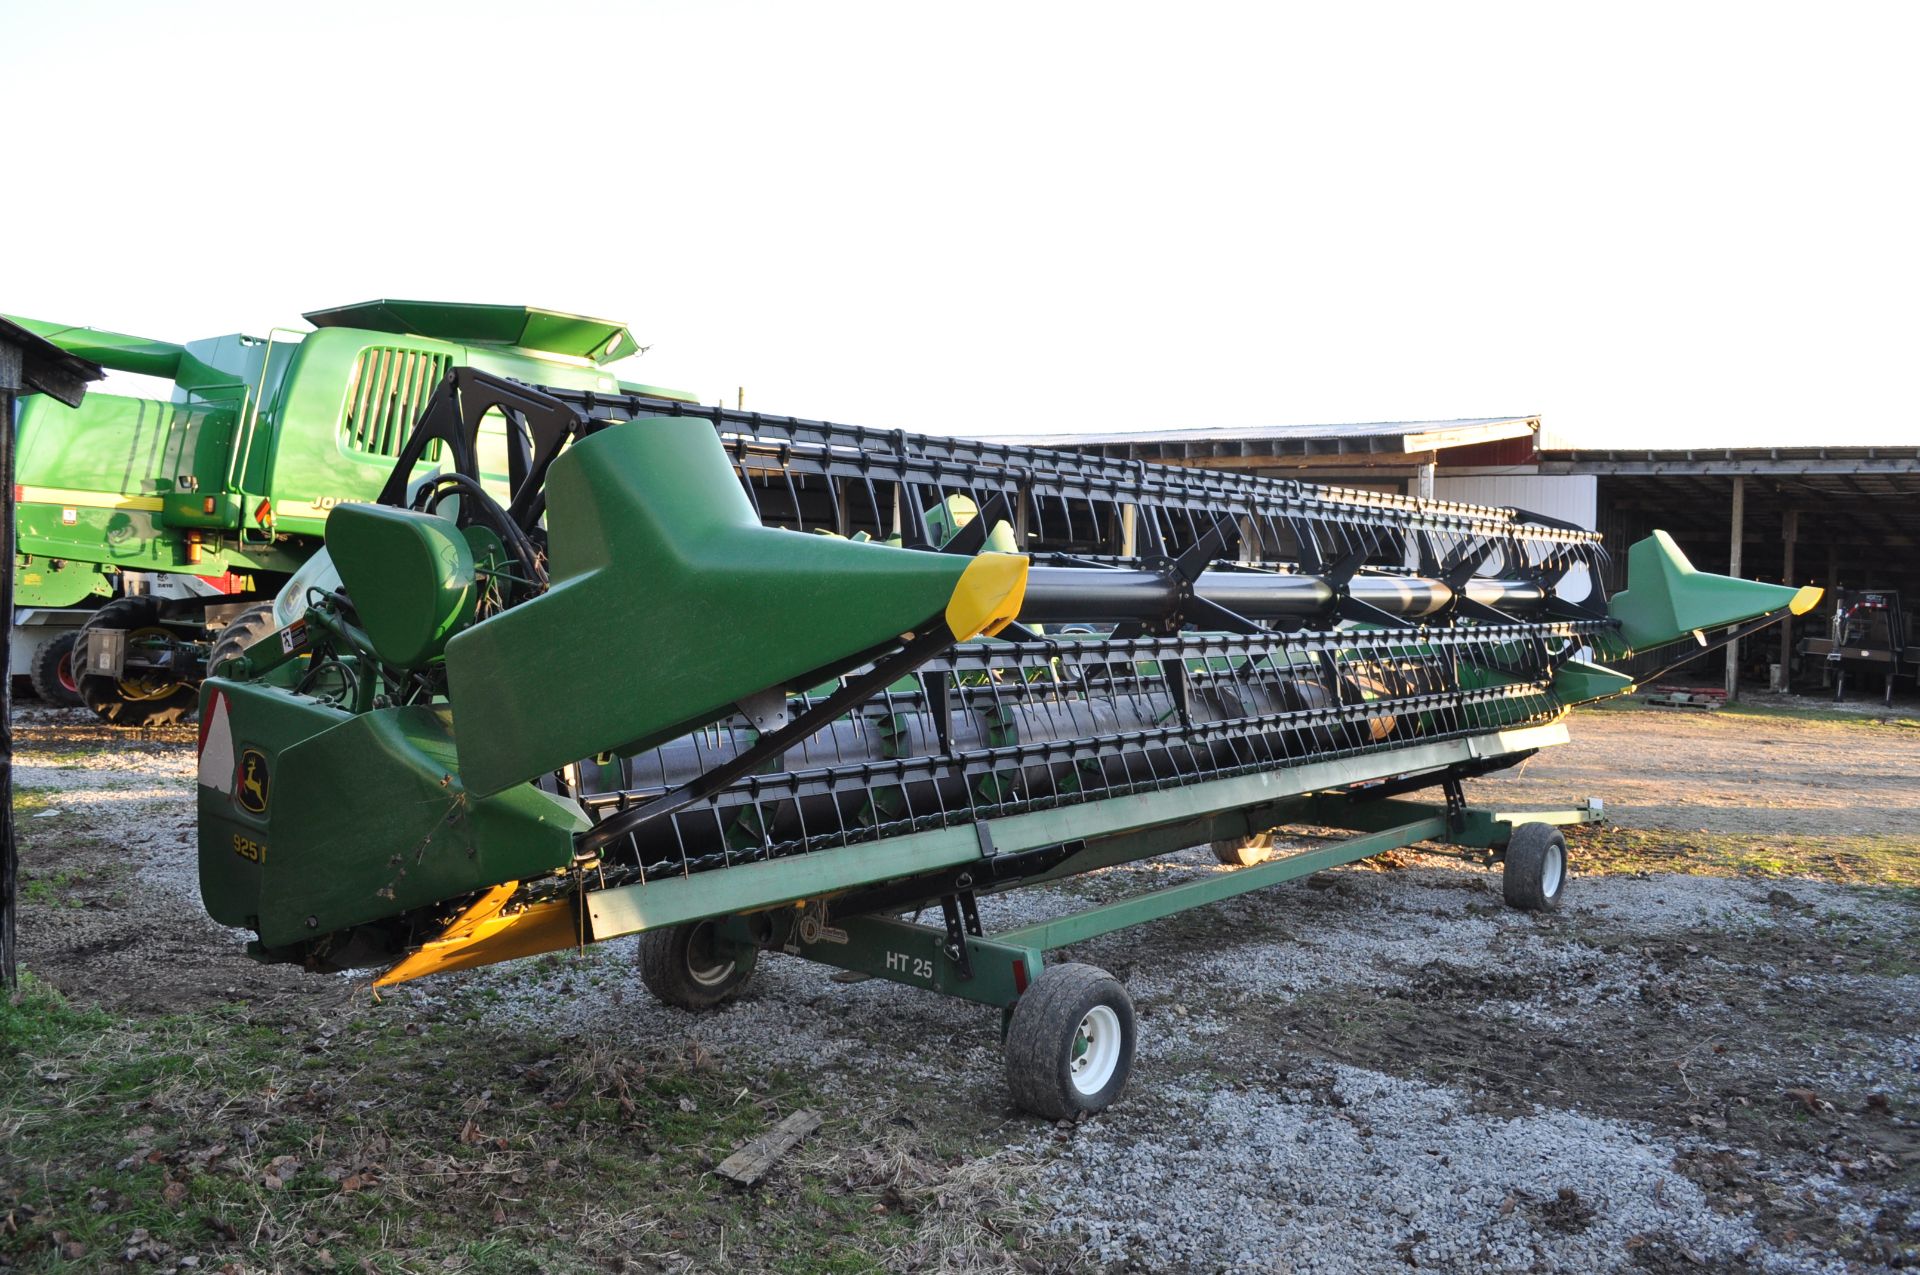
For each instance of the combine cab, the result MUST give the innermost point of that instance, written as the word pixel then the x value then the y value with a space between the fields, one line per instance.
pixel 166 526
pixel 743 684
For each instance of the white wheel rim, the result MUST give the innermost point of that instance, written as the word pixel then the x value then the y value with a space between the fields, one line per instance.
pixel 705 975
pixel 1553 871
pixel 1096 1050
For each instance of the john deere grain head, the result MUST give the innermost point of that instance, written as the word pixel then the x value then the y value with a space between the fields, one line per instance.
pixel 759 682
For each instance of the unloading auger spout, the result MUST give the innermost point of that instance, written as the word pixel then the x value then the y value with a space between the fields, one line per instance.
pixel 698 667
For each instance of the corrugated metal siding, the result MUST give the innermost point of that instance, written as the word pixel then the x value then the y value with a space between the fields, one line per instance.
pixel 1571 499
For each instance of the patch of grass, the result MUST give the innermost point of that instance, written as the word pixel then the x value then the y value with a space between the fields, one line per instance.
pixel 375 1137
pixel 1846 860
pixel 51 890
pixel 1872 716
pixel 64 758
pixel 1866 716
pixel 27 801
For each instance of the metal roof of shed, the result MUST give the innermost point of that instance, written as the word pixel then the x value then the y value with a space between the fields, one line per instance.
pixel 1211 443
pixel 1727 461
pixel 36 365
pixel 1866 496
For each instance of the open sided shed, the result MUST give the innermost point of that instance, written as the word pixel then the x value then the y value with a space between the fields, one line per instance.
pixel 1832 516
pixel 1405 455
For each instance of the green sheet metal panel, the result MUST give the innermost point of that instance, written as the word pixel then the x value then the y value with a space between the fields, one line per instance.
pixel 38 584
pixel 411 577
pixel 1666 598
pixel 669 602
pixel 312 819
pixel 528 327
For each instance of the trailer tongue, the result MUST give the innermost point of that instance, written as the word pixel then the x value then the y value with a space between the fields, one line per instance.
pixel 740 683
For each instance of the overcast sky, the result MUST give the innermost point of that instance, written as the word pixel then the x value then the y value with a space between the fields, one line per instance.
pixel 1650 224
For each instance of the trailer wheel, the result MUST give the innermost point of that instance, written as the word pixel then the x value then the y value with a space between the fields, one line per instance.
pixel 1070 1043
pixel 1535 872
pixel 52 672
pixel 1244 852
pixel 683 966
pixel 146 699
pixel 241 632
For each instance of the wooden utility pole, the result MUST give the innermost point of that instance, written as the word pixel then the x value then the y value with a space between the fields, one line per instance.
pixel 1789 532
pixel 28 365
pixel 1733 569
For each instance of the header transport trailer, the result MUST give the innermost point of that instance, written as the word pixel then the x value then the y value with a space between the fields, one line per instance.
pixel 164 527
pixel 678 683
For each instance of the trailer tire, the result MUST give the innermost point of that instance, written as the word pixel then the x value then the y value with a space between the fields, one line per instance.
pixel 1070 1042
pixel 1534 874
pixel 1244 852
pixel 241 632
pixel 52 672
pixel 681 968
pixel 125 702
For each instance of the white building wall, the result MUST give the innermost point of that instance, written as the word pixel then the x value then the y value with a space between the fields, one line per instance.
pixel 1570 498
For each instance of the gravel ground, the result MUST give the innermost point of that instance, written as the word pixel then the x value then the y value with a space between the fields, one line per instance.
pixel 1376 1068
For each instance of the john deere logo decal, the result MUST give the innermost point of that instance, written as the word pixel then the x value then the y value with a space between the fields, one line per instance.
pixel 253 781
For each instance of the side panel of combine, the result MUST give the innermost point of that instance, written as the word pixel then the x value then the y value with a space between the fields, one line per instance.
pixel 122 480
pixel 342 416
pixel 355 396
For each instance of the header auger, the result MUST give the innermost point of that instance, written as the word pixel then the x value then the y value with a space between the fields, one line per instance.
pixel 743 683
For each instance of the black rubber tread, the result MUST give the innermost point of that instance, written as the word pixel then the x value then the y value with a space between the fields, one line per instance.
pixel 1040 1040
pixel 1522 873
pixel 241 632
pixel 1244 852
pixel 44 672
pixel 663 961
pixel 102 694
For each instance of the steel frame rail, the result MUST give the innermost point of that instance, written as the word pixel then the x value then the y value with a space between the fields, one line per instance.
pixel 996 969
pixel 1141 824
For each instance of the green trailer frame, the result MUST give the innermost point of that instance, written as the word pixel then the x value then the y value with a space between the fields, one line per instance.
pixel 999 967
pixel 708 960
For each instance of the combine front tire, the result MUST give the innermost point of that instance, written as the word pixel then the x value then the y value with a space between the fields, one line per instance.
pixel 1535 872
pixel 52 672
pixel 241 632
pixel 685 966
pixel 1070 1044
pixel 136 698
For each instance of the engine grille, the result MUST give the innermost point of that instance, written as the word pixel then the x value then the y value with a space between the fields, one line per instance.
pixel 389 388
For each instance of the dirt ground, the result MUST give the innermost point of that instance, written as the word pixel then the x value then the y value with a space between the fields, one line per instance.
pixel 1688 769
pixel 1708 1060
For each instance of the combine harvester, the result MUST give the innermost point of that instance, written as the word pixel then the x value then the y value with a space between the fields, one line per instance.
pixel 740 684
pixel 153 532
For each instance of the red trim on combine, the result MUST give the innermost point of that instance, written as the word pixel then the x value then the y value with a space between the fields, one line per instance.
pixel 225 582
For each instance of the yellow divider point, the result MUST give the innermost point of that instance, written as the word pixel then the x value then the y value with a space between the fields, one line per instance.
pixel 483 935
pixel 988 596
